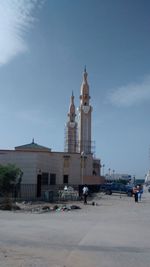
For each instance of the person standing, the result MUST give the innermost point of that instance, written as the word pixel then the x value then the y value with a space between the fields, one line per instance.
pixel 136 193
pixel 85 191
pixel 140 192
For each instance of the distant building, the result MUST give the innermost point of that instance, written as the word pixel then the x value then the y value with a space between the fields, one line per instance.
pixel 44 169
pixel 117 177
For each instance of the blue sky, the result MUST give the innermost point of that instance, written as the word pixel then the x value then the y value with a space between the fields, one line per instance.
pixel 44 46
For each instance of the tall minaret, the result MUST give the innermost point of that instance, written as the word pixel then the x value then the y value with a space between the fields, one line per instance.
pixel 85 117
pixel 71 129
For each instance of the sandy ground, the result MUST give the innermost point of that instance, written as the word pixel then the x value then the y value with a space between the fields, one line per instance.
pixel 114 233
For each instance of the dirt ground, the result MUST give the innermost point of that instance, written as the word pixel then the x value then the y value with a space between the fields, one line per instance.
pixel 112 233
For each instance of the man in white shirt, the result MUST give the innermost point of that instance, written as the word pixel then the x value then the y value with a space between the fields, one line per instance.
pixel 85 191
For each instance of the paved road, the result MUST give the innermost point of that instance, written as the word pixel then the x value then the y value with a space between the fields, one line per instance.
pixel 116 233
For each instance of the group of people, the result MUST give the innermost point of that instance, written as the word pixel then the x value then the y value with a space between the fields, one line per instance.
pixel 138 191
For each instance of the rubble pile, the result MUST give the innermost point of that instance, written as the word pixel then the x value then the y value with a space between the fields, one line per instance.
pixel 44 207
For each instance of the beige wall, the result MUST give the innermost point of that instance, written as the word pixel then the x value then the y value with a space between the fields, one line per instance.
pixel 32 163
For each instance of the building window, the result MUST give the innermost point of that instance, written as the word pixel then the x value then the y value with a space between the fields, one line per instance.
pixel 66 179
pixel 44 180
pixel 52 178
pixel 66 161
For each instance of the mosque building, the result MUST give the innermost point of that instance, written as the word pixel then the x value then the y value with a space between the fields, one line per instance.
pixel 44 169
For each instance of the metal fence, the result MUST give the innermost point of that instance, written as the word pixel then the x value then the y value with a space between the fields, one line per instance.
pixel 28 192
pixel 50 193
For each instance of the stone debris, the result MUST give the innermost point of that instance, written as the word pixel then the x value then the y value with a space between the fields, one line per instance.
pixel 44 208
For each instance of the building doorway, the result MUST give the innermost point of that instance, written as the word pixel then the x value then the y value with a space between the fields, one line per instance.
pixel 38 192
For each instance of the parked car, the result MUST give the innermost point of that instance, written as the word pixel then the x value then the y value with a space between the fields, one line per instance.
pixel 110 188
pixel 106 188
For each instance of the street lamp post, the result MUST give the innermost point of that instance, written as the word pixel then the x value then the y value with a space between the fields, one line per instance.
pixel 82 166
pixel 113 174
pixel 109 172
pixel 103 166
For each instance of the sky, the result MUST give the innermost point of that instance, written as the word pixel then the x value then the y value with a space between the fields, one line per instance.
pixel 44 46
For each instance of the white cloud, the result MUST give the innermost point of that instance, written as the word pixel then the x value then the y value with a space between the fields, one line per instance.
pixel 131 94
pixel 15 19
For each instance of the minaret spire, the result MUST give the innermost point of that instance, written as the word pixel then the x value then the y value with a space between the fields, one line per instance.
pixel 85 117
pixel 71 113
pixel 84 97
pixel 71 128
pixel 85 75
